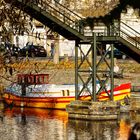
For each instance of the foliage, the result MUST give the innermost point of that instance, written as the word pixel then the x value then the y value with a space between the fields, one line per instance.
pixel 92 8
pixel 13 21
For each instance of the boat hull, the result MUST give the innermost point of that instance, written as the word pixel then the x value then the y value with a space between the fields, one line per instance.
pixel 120 93
pixel 38 102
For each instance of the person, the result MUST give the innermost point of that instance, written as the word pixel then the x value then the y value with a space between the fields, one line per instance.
pixel 52 49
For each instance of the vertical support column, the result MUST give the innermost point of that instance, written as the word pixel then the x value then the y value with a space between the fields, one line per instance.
pixel 76 70
pixel 94 58
pixel 56 51
pixel 23 86
pixel 112 71
pixel 108 30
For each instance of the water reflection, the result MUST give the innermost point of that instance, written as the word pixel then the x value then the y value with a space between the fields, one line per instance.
pixel 41 124
pixel 33 124
pixel 94 130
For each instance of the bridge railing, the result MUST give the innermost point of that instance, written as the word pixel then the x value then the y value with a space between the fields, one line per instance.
pixel 78 23
pixel 122 30
pixel 60 12
pixel 130 35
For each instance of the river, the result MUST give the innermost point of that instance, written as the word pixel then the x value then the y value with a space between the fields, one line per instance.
pixel 43 124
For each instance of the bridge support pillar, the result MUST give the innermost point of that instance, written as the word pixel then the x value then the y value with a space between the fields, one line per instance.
pixel 89 74
pixel 99 70
pixel 88 110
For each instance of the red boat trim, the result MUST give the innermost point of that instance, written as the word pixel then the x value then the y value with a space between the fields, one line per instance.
pixel 104 97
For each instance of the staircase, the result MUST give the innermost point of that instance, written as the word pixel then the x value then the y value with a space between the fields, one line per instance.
pixel 53 15
pixel 124 38
pixel 70 25
pixel 128 42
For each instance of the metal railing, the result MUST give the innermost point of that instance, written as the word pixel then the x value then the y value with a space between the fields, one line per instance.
pixel 78 23
pixel 130 35
pixel 122 30
pixel 59 11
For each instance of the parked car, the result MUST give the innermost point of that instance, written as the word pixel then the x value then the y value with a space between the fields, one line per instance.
pixel 33 51
pixel 117 54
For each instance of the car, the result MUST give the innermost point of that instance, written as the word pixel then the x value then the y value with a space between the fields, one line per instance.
pixel 33 51
pixel 117 54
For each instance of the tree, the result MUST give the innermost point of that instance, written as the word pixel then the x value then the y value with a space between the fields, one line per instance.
pixel 13 21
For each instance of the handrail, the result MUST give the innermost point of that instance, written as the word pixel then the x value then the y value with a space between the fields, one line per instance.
pixel 60 12
pixel 122 30
pixel 74 21
pixel 130 39
pixel 131 35
pixel 131 28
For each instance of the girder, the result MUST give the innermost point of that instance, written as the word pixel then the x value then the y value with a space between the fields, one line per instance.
pixel 74 29
pixel 89 70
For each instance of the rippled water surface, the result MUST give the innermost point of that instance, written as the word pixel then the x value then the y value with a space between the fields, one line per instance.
pixel 41 124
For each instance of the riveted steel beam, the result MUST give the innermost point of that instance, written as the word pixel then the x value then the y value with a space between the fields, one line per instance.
pixel 92 70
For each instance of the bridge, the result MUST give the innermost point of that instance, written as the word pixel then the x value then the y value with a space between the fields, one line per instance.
pixel 95 32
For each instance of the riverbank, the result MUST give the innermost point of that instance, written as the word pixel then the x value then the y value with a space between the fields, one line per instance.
pixel 64 72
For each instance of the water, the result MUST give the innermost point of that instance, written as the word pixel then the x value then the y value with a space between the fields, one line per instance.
pixel 42 124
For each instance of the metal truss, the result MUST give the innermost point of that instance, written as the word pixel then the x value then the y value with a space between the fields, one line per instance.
pixel 91 68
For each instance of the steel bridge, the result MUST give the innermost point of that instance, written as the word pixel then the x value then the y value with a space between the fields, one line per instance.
pixel 95 36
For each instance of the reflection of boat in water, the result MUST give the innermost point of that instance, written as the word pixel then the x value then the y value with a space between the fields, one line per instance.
pixel 55 96
pixel 37 112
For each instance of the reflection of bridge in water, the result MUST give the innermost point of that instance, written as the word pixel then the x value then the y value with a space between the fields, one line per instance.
pixel 45 121
pixel 96 32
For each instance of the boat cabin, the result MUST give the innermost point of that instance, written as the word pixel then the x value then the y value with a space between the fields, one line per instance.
pixel 33 79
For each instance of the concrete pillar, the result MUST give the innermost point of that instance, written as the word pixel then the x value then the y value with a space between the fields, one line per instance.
pixel 88 110
pixel 56 51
